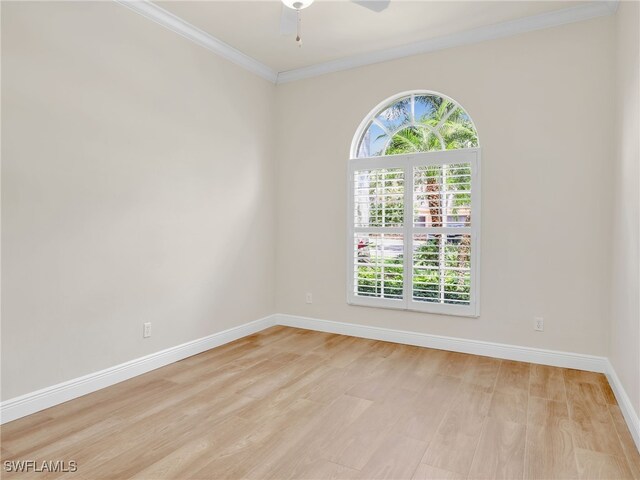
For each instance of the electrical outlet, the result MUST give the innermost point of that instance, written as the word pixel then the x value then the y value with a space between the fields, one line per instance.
pixel 538 324
pixel 308 298
pixel 146 330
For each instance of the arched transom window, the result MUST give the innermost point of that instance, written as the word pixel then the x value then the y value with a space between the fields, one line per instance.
pixel 419 122
pixel 414 207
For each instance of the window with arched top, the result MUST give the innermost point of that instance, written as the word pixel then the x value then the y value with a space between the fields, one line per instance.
pixel 414 207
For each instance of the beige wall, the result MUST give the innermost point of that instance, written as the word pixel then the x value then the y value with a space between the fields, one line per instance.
pixel 139 181
pixel 137 186
pixel 542 105
pixel 625 305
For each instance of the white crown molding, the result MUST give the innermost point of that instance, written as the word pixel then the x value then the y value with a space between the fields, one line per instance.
pixel 174 23
pixel 513 27
pixel 541 356
pixel 33 402
pixel 491 32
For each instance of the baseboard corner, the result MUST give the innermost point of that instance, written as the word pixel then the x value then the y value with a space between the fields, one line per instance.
pixel 23 405
pixel 624 402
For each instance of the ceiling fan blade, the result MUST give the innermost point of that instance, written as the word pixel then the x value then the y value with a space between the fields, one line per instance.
pixel 375 5
pixel 288 21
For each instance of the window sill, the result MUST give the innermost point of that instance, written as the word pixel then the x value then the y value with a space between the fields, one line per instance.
pixel 469 311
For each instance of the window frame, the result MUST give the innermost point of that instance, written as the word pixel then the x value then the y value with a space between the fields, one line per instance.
pixel 408 162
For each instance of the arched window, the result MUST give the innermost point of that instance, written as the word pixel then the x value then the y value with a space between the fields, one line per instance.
pixel 414 203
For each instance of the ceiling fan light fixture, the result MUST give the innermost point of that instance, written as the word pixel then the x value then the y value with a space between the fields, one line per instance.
pixel 297 4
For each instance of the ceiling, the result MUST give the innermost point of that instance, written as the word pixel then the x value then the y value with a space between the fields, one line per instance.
pixel 333 29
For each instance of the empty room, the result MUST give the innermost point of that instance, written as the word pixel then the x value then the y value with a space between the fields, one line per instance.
pixel 330 239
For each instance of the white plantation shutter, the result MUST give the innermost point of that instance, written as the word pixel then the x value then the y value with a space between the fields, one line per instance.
pixel 414 231
pixel 378 234
pixel 379 198
pixel 376 275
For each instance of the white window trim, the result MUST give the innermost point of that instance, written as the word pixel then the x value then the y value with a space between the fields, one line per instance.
pixel 408 162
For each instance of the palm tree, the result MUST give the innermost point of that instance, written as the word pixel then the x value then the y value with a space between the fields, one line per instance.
pixel 453 128
pixel 444 126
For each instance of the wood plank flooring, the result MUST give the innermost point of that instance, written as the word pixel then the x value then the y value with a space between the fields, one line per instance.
pixel 296 404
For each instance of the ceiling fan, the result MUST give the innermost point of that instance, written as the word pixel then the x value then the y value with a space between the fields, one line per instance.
pixel 290 20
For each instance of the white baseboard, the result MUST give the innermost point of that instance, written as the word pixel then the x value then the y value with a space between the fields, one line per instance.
pixel 624 402
pixel 48 397
pixel 498 350
pixel 29 403
pixel 489 349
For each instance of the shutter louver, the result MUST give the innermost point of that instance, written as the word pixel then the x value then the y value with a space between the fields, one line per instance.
pixel 378 245
pixel 379 198
pixel 413 231
pixel 442 256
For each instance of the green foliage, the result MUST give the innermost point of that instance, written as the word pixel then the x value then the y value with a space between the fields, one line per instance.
pixel 450 122
pixel 386 278
pixel 457 180
pixel 387 210
pixel 439 263
pixel 427 274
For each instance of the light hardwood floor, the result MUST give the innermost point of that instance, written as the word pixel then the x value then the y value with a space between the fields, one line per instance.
pixel 288 403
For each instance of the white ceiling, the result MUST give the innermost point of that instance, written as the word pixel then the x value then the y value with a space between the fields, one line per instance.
pixel 337 29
